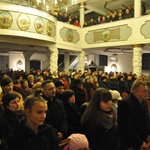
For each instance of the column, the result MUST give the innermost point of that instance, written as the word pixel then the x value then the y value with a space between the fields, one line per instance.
pixel 27 55
pixel 81 14
pixel 53 59
pixel 66 61
pixel 137 59
pixel 81 61
pixel 137 8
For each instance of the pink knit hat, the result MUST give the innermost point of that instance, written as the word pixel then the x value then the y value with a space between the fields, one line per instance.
pixel 78 141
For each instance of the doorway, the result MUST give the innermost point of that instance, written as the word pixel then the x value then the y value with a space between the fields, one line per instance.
pixel 35 64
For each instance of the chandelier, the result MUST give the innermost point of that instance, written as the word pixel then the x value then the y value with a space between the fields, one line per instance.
pixel 50 6
pixel 53 6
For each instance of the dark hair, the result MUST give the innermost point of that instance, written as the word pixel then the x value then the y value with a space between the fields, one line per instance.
pixel 18 76
pixel 103 78
pixel 100 94
pixel 31 99
pixel 23 81
pixel 6 80
pixel 120 77
pixel 9 97
pixel 59 83
pixel 66 95
pixel 77 82
pixel 45 82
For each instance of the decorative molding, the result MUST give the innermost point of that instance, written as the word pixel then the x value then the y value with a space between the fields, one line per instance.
pixel 39 25
pixel 144 29
pixel 69 35
pixel 6 19
pixel 23 22
pixel 118 33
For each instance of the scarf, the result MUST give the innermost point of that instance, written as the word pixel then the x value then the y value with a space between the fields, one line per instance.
pixel 107 120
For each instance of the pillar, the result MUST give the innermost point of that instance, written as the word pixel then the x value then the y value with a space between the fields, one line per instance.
pixel 53 59
pixel 137 8
pixel 81 14
pixel 81 61
pixel 137 59
pixel 66 61
pixel 27 55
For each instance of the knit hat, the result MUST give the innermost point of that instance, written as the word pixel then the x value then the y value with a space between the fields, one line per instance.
pixel 78 141
pixel 115 94
pixel 5 81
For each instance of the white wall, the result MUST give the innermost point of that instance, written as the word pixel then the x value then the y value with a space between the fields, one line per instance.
pixel 124 63
pixel 43 58
pixel 13 58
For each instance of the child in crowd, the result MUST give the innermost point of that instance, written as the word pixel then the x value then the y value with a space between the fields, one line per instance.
pixel 32 133
pixel 77 142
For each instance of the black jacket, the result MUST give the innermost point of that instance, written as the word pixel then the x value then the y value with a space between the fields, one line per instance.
pixel 23 138
pixel 100 137
pixel 79 96
pixel 8 121
pixel 56 115
pixel 133 122
pixel 72 118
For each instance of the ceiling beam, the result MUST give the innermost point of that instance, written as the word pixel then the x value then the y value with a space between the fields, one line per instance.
pixel 88 11
pixel 17 47
pixel 99 11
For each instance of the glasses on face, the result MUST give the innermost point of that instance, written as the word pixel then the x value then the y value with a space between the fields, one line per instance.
pixel 50 89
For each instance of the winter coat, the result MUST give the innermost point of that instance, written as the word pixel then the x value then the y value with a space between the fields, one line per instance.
pixel 133 122
pixel 23 138
pixel 8 121
pixel 56 115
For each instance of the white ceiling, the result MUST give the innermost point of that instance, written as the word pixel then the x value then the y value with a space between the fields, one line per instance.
pixel 103 6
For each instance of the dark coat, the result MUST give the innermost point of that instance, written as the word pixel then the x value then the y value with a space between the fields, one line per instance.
pixel 121 86
pixel 104 85
pixel 79 96
pixel 89 87
pixel 100 138
pixel 72 118
pixel 8 121
pixel 128 85
pixel 30 85
pixel 23 138
pixel 56 115
pixel 112 84
pixel 25 93
pixel 133 122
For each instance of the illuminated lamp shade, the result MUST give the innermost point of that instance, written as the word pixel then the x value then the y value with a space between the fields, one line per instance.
pixel 19 65
pixel 60 5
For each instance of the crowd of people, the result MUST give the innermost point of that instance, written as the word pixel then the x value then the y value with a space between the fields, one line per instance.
pixel 41 109
pixel 113 15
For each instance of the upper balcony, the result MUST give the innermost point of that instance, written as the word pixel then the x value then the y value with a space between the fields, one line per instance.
pixel 25 25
